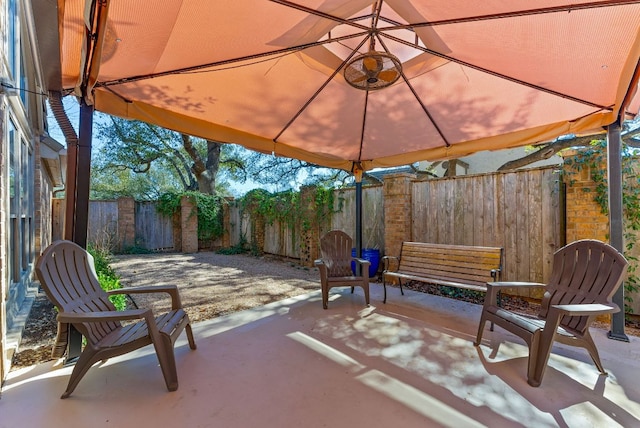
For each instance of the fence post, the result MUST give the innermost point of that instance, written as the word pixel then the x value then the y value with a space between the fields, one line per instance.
pixel 397 211
pixel 189 225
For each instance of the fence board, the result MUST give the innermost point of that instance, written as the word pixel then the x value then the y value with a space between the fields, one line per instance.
pixel 516 210
pixel 372 215
pixel 153 231
pixel 102 228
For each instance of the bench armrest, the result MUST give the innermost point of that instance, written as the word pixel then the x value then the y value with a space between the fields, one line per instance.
pixel 495 274
pixel 386 263
pixel 514 284
pixel 172 290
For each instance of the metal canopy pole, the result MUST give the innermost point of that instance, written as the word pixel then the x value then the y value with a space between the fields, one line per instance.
pixel 77 204
pixel 616 233
pixel 358 176
pixel 84 171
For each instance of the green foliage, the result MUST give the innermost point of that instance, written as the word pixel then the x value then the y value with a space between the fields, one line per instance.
pixel 239 248
pixel 281 206
pixel 108 278
pixel 592 159
pixel 210 211
pixel 169 204
pixel 286 207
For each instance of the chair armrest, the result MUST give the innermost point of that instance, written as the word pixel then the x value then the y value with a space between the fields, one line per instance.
pixel 102 316
pixel 386 261
pixel 493 288
pixel 172 290
pixel 586 309
pixel 318 262
pixel 361 262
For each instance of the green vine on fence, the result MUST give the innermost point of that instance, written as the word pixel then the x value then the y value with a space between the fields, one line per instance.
pixel 593 158
pixel 288 207
pixel 209 211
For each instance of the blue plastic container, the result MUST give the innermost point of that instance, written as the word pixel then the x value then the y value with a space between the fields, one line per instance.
pixel 370 254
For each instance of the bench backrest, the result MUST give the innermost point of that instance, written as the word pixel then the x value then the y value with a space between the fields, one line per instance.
pixel 456 263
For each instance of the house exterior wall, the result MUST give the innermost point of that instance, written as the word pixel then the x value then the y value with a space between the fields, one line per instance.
pixel 488 161
pixel 25 184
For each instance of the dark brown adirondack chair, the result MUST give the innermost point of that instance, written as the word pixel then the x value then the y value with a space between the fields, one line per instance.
pixel 335 265
pixel 585 276
pixel 67 275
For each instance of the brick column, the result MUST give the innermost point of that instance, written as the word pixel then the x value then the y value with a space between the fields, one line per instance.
pixel 226 222
pixel 585 219
pixel 310 233
pixel 189 225
pixel 126 223
pixel 397 211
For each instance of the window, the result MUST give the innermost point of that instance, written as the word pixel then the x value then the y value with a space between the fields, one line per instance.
pixel 22 204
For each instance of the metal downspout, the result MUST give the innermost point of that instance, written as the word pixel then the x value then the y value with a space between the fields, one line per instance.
pixel 71 138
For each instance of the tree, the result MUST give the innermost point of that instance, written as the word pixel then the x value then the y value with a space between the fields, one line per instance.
pixel 140 148
pixel 286 173
pixel 629 135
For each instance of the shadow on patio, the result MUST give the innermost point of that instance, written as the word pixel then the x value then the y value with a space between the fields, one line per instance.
pixel 409 363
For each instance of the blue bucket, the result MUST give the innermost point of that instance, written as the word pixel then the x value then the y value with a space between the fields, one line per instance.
pixel 370 254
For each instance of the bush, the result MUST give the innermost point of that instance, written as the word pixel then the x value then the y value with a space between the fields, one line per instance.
pixel 108 278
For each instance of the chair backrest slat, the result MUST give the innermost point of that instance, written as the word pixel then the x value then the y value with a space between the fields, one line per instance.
pixel 584 272
pixel 67 274
pixel 335 248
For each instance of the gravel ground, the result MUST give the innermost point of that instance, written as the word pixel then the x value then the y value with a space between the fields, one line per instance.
pixel 210 285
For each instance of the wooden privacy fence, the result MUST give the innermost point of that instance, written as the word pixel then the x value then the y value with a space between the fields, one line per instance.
pixel 111 225
pixel 521 211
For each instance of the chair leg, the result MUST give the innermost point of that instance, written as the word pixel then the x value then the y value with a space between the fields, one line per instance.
pixel 366 293
pixel 590 346
pixel 540 347
pixel 352 290
pixel 534 372
pixel 85 361
pixel 483 321
pixel 325 296
pixel 167 360
pixel 192 342
pixel 384 287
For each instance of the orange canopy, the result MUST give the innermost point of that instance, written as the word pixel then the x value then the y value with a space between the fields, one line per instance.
pixel 270 75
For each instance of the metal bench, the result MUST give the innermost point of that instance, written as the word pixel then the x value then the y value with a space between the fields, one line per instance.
pixel 461 266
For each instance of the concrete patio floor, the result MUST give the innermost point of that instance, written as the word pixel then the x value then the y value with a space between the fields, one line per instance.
pixel 408 363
